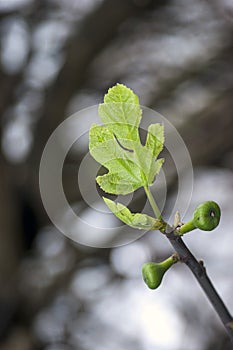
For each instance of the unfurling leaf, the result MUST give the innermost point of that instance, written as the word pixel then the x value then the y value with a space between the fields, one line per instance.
pixel 117 145
pixel 138 220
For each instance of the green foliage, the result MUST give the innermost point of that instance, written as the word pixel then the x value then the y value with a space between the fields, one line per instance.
pixel 138 220
pixel 117 145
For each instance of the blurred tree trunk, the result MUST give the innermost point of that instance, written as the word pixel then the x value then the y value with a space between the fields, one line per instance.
pixel 10 231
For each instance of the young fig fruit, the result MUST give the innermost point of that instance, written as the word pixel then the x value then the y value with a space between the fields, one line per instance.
pixel 153 272
pixel 206 217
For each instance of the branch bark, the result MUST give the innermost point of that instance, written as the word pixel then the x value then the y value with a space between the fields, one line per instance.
pixel 199 271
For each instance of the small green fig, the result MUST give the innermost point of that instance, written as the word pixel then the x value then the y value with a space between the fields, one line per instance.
pixel 153 272
pixel 206 217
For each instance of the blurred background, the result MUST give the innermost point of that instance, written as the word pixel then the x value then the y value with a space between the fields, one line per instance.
pixel 58 57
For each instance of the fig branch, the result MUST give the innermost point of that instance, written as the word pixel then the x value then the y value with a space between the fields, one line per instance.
pixel 199 271
pixel 131 165
pixel 206 217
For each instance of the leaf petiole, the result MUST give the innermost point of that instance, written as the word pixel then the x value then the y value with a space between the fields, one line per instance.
pixel 153 203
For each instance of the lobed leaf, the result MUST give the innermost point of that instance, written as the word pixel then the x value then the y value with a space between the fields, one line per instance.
pixel 117 145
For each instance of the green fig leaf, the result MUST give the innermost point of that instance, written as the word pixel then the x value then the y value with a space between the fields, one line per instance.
pixel 137 220
pixel 117 146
